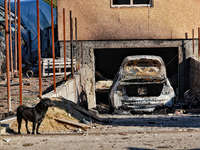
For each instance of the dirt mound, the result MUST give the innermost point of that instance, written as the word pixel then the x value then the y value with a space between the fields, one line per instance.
pixel 64 109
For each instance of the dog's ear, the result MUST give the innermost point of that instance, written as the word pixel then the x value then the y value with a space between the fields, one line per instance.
pixel 46 102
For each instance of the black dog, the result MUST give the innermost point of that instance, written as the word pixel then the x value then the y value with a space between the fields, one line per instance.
pixel 35 114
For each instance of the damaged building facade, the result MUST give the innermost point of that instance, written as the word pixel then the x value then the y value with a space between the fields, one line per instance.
pixel 110 30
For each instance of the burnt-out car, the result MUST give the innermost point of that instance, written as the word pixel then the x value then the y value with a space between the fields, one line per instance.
pixel 141 84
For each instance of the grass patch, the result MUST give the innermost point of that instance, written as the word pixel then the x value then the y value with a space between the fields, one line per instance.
pixel 27 98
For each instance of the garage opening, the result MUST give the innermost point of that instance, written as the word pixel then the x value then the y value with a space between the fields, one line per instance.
pixel 108 61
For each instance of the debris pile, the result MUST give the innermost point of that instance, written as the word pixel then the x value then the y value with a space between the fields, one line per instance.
pixel 190 100
pixel 65 117
pixel 103 85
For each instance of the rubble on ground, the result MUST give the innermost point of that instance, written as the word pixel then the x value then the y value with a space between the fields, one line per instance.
pixel 192 100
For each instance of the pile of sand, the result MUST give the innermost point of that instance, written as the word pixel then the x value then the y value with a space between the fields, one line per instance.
pixel 62 110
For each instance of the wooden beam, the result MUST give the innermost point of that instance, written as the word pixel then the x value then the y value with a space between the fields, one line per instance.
pixel 72 123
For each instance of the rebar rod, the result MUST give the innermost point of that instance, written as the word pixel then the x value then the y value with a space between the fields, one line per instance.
pixel 53 47
pixel 65 78
pixel 7 55
pixel 19 51
pixel 39 51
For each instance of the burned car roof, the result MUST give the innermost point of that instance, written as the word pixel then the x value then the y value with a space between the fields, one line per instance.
pixel 142 66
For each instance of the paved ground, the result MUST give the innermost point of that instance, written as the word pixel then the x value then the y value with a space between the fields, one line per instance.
pixel 129 132
pixel 129 141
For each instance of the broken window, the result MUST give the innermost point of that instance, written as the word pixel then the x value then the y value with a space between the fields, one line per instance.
pixel 131 3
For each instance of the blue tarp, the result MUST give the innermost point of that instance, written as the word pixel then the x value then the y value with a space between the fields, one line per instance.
pixel 29 18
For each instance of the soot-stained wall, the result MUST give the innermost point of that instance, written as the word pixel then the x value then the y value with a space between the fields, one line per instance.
pixel 97 20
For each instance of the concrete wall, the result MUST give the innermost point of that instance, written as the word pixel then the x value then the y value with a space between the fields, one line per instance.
pixel 70 90
pixel 167 19
pixel 194 75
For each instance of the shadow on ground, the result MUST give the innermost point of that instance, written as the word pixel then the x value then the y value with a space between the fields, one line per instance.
pixel 143 120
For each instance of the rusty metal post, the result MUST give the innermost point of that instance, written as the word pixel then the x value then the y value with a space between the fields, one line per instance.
pixel 81 54
pixel 193 40
pixel 15 37
pixel 53 49
pixel 199 41
pixel 39 53
pixel 19 50
pixel 71 44
pixel 76 43
pixel 7 55
pixel 65 78
pixel 11 54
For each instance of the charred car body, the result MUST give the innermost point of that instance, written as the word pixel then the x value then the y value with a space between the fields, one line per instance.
pixel 141 84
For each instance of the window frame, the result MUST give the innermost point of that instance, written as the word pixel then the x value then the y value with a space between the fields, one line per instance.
pixel 131 4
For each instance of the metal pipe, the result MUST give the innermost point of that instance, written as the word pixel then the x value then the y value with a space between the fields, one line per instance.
pixel 199 41
pixel 7 55
pixel 32 71
pixel 11 54
pixel 15 37
pixel 81 54
pixel 193 40
pixel 39 53
pixel 65 78
pixel 19 50
pixel 53 49
pixel 71 44
pixel 76 42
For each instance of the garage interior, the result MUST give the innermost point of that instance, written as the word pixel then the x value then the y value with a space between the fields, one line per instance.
pixel 108 61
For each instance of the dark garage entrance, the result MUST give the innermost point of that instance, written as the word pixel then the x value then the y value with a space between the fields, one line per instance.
pixel 108 61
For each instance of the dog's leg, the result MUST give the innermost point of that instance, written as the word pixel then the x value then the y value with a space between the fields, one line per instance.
pixel 27 126
pixel 38 125
pixel 19 120
pixel 33 131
